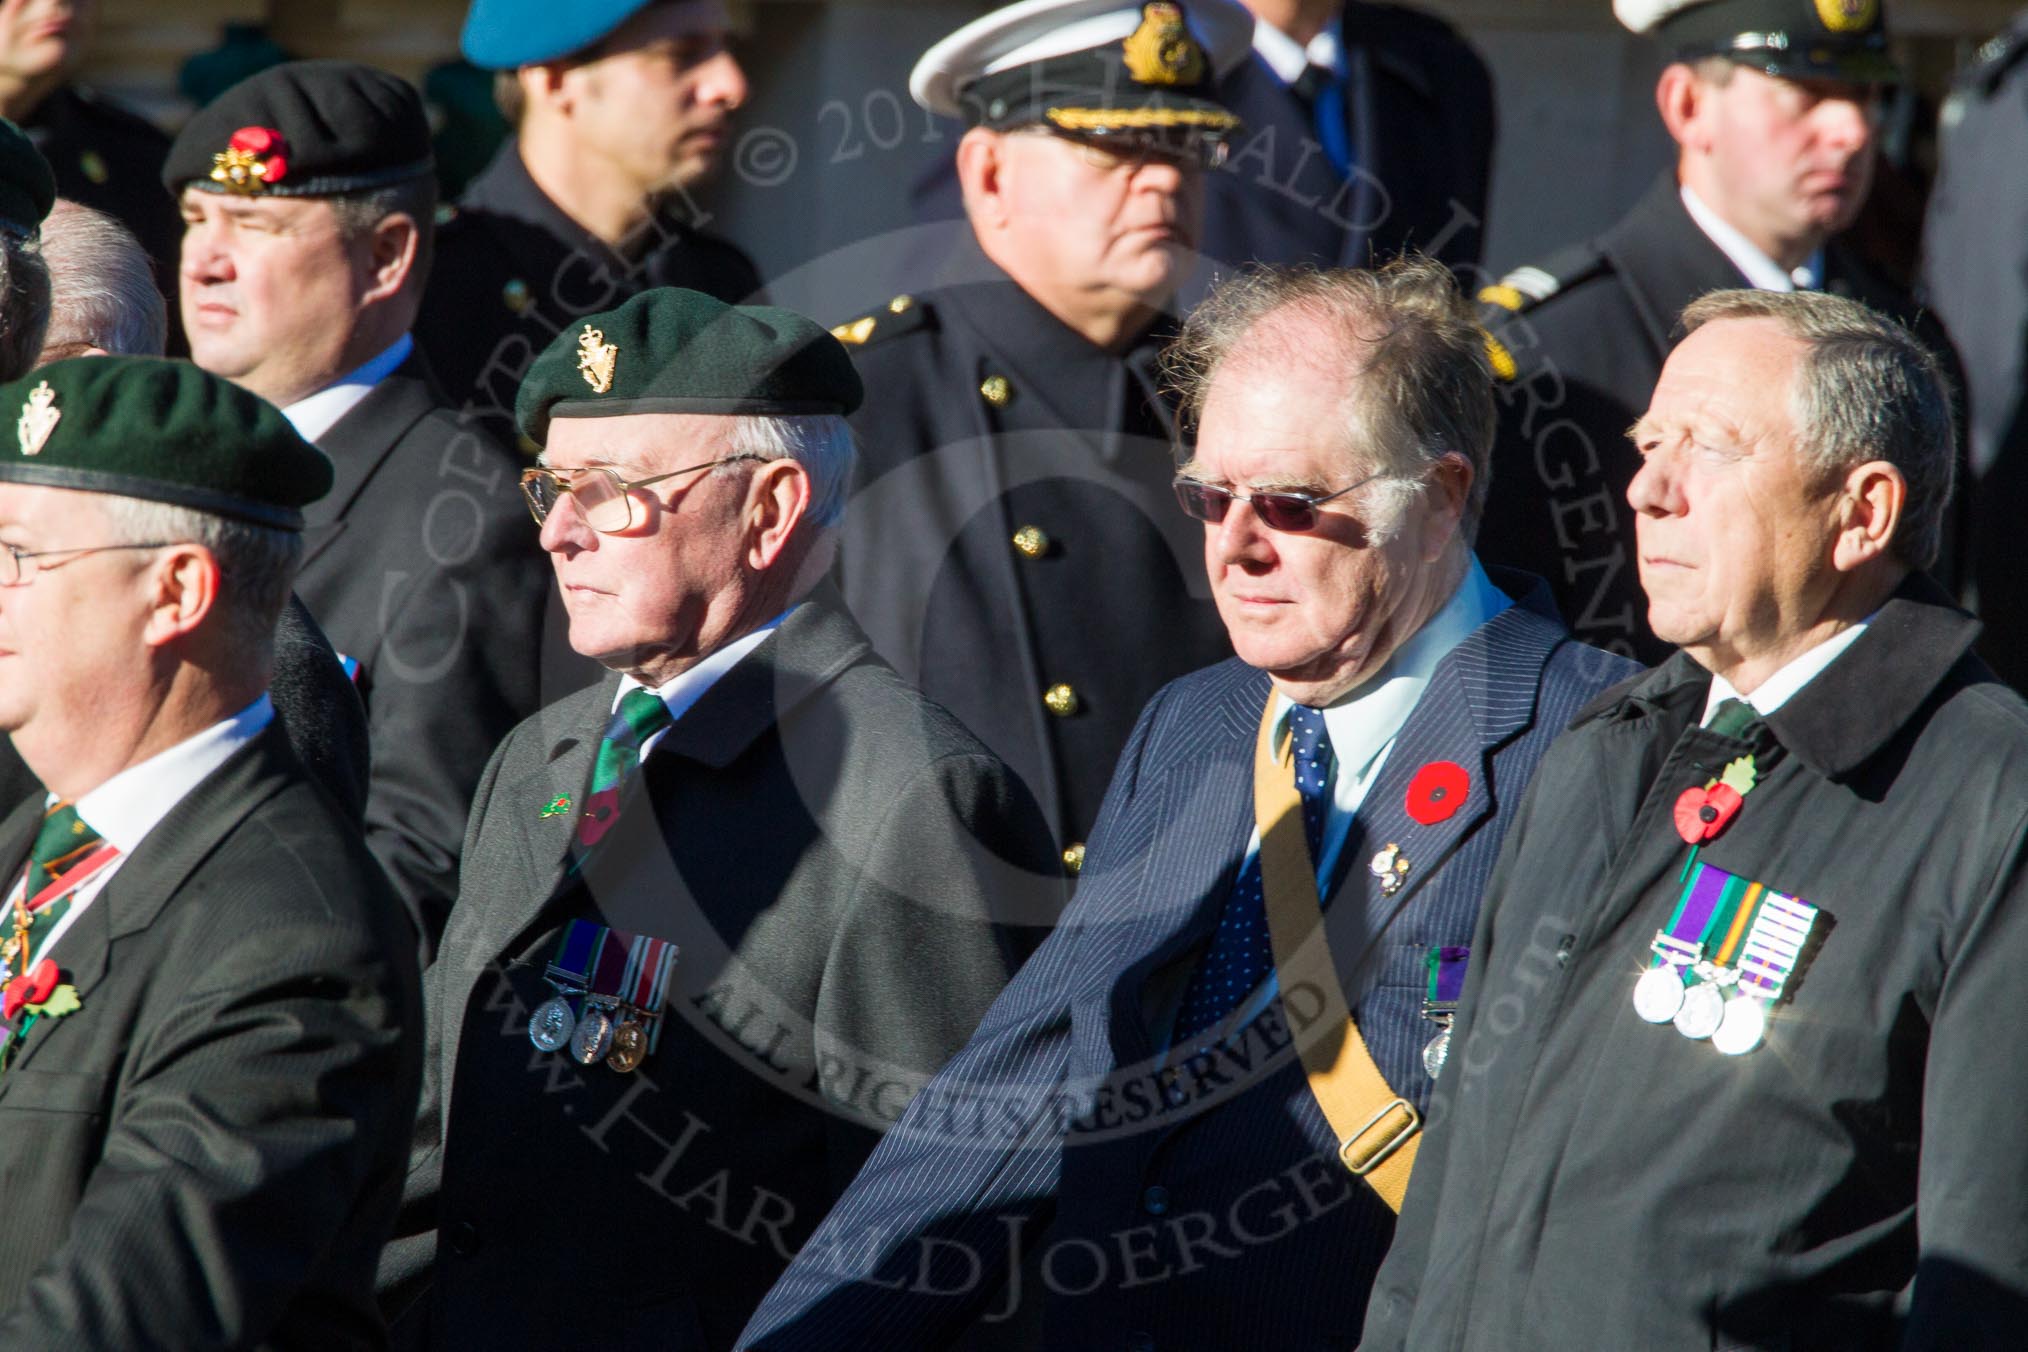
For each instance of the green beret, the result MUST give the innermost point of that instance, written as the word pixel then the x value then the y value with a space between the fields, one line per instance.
pixel 166 431
pixel 675 351
pixel 305 129
pixel 27 188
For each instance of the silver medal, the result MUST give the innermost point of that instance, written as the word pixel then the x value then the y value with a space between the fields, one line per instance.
pixel 550 1027
pixel 1743 1026
pixel 594 1037
pixel 1703 1010
pixel 1659 993
pixel 1434 1055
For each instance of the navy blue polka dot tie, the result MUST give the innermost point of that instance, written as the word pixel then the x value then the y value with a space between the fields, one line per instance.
pixel 1241 954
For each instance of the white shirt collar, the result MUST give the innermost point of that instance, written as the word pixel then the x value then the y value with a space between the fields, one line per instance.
pixel 1288 58
pixel 318 413
pixel 1363 724
pixel 682 691
pixel 1781 687
pixel 1763 272
pixel 133 802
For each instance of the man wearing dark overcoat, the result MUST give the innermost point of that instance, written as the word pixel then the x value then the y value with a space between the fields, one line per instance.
pixel 209 1010
pixel 744 896
pixel 1189 1120
pixel 1013 546
pixel 308 198
pixel 1728 1072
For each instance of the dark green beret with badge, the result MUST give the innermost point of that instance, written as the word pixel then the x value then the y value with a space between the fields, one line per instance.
pixel 27 188
pixel 674 351
pixel 165 431
pixel 1843 40
pixel 305 129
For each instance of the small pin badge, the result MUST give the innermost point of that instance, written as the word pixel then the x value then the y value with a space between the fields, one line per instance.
pixel 596 358
pixel 1391 867
pixel 557 806
pixel 39 417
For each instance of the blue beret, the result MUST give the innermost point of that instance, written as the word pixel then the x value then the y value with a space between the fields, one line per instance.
pixel 509 34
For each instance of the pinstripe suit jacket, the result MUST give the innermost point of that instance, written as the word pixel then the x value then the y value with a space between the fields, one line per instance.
pixel 1062 1167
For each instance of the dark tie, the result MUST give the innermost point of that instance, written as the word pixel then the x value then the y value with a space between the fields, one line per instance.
pixel 640 716
pixel 64 840
pixel 1322 91
pixel 1732 718
pixel 1241 954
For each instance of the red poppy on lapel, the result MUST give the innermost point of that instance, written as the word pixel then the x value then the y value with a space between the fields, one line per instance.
pixel 600 810
pixel 30 988
pixel 1438 790
pixel 1702 813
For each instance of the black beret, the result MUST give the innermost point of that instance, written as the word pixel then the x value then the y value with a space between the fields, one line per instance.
pixel 675 351
pixel 166 431
pixel 27 188
pixel 305 129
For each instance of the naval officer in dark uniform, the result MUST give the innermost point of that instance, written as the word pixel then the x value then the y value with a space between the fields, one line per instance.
pixel 619 108
pixel 101 154
pixel 1771 105
pixel 1014 545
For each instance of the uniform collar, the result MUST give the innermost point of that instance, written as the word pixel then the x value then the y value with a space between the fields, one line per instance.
pixel 1761 270
pixel 1786 682
pixel 682 692
pixel 1288 59
pixel 316 414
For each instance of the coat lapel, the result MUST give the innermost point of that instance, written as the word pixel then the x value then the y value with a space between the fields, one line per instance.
pixel 359 443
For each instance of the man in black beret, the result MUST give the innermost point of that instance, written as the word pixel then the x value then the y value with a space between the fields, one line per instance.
pixel 208 999
pixel 101 154
pixel 1773 106
pixel 308 202
pixel 743 896
pixel 618 109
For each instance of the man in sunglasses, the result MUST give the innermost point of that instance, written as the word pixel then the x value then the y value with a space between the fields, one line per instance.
pixel 743 897
pixel 1014 546
pixel 308 197
pixel 1206 1103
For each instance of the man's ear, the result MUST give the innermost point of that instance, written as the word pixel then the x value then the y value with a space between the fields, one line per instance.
pixel 183 583
pixel 1450 487
pixel 981 158
pixel 1683 97
pixel 1871 503
pixel 776 502
pixel 392 251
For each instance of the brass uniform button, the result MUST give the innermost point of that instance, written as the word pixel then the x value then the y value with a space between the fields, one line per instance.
pixel 901 305
pixel 1073 859
pixel 1060 700
pixel 1032 543
pixel 514 295
pixel 855 333
pixel 94 166
pixel 997 391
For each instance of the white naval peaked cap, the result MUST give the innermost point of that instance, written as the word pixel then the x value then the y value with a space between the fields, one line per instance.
pixel 1036 30
pixel 1643 16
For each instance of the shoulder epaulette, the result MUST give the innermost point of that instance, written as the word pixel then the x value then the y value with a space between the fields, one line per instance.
pixel 1993 61
pixel 903 314
pixel 1526 287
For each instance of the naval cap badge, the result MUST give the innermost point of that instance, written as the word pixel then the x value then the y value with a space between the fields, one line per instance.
pixel 1162 51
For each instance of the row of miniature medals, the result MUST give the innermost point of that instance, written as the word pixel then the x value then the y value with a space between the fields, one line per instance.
pixel 1731 944
pixel 609 987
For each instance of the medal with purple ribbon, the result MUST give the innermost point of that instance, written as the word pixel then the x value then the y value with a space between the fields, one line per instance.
pixel 1446 970
pixel 1774 944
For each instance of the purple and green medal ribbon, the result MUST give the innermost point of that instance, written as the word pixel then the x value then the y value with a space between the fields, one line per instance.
pixel 1714 905
pixel 612 965
pixel 1446 968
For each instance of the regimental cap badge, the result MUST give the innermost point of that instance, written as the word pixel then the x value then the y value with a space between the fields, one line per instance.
pixel 1162 51
pixel 254 160
pixel 1847 16
pixel 596 358
pixel 39 417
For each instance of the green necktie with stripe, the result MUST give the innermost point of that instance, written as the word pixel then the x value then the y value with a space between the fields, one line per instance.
pixel 64 840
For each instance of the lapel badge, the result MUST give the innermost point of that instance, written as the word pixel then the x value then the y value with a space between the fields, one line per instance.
pixel 1437 791
pixel 39 417
pixel 1701 814
pixel 254 160
pixel 1162 51
pixel 596 358
pixel 1391 867
pixel 557 806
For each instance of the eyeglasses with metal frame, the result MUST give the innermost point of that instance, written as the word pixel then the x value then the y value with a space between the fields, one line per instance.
pixel 604 499
pixel 1291 512
pixel 14 562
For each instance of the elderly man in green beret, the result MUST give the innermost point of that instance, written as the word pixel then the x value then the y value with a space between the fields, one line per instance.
pixel 207 993
pixel 743 896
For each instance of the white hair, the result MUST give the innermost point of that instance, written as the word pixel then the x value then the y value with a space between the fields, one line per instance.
pixel 102 287
pixel 821 443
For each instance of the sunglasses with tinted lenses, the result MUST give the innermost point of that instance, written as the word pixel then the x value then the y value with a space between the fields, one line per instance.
pixel 1277 511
